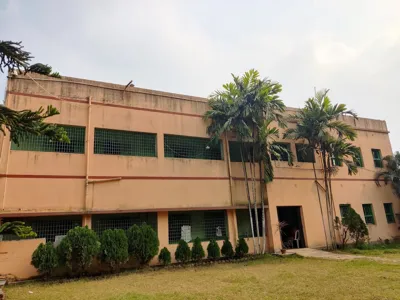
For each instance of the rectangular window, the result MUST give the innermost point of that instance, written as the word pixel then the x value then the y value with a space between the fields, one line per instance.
pixel 235 154
pixel 344 209
pixel 368 214
pixel 44 144
pixel 122 221
pixel 203 224
pixel 359 159
pixel 126 143
pixel 284 156
pixel 336 162
pixel 389 212
pixel 178 146
pixel 376 155
pixel 244 224
pixel 304 153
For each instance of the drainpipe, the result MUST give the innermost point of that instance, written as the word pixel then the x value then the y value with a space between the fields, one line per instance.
pixel 88 149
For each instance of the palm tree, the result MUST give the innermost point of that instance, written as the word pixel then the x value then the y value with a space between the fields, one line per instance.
pixel 17 228
pixel 242 107
pixel 316 124
pixel 391 174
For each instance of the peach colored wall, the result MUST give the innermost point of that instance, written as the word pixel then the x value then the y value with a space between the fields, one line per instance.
pixel 15 258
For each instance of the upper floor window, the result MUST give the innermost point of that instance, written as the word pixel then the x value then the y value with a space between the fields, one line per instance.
pixel 389 212
pixel 128 143
pixel 376 155
pixel 368 214
pixel 304 153
pixel 284 156
pixel 237 149
pixel 358 159
pixel 344 209
pixel 42 143
pixel 336 161
pixel 179 146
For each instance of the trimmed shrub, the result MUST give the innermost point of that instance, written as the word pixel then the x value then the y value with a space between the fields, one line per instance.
pixel 45 259
pixel 143 243
pixel 197 250
pixel 356 227
pixel 227 249
pixel 78 249
pixel 165 256
pixel 114 248
pixel 241 248
pixel 183 253
pixel 213 250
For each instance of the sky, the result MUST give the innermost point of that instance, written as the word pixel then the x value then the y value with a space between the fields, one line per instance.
pixel 192 47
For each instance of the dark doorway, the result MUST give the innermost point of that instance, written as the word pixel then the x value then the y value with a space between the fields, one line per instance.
pixel 291 215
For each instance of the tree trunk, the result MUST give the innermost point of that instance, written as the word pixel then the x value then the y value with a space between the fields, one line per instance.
pixel 253 182
pixel 262 186
pixel 332 202
pixel 328 204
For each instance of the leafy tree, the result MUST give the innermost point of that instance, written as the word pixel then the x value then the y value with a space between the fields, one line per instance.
pixel 114 248
pixel 241 248
pixel 227 249
pixel 164 257
pixel 143 242
pixel 183 253
pixel 18 228
pixel 197 250
pixel 45 259
pixel 213 250
pixel 355 225
pixel 391 174
pixel 78 249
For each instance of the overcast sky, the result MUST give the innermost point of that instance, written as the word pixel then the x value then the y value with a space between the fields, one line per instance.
pixel 191 47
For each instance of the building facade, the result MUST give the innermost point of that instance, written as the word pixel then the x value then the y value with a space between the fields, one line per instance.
pixel 139 155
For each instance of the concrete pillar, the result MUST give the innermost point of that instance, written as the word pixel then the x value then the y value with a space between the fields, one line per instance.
pixel 273 234
pixel 87 221
pixel 162 228
pixel 232 226
pixel 160 145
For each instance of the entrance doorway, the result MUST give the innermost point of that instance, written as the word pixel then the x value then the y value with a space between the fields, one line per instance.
pixel 292 235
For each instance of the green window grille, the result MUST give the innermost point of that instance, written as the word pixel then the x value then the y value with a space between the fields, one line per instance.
pixel 376 155
pixel 389 212
pixel 42 143
pixel 48 227
pixel 344 209
pixel 234 151
pixel 368 214
pixel 178 146
pixel 127 143
pixel 358 158
pixel 122 221
pixel 283 155
pixel 203 224
pixel 244 224
pixel 304 153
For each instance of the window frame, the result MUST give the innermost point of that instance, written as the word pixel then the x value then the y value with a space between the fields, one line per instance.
pixel 390 217
pixel 371 215
pixel 377 161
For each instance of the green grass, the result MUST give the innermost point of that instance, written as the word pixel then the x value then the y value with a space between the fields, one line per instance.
pixel 391 251
pixel 268 278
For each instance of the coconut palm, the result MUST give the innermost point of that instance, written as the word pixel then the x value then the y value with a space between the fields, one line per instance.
pixel 391 174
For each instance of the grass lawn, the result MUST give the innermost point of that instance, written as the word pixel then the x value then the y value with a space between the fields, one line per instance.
pixel 268 278
pixel 385 251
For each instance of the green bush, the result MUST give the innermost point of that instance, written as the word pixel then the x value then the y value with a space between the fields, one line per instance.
pixel 114 248
pixel 197 250
pixel 165 256
pixel 356 227
pixel 227 249
pixel 213 250
pixel 78 249
pixel 45 259
pixel 143 242
pixel 241 248
pixel 183 253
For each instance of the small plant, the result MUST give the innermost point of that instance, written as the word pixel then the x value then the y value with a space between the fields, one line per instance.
pixel 279 229
pixel 213 250
pixel 241 248
pixel 114 248
pixel 45 259
pixel 164 257
pixel 143 243
pixel 343 232
pixel 18 228
pixel 197 250
pixel 183 253
pixel 78 249
pixel 356 227
pixel 227 249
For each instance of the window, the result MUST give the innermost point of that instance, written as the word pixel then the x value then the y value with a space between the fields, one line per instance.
pixel 127 143
pixel 243 222
pixel 368 214
pixel 359 159
pixel 178 146
pixel 44 144
pixel 234 151
pixel 122 221
pixel 304 153
pixel 389 212
pixel 344 209
pixel 284 155
pixel 336 162
pixel 376 155
pixel 203 224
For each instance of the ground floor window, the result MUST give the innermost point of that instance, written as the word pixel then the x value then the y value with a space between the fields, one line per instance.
pixel 368 214
pixel 122 221
pixel 389 212
pixel 243 222
pixel 47 227
pixel 191 224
